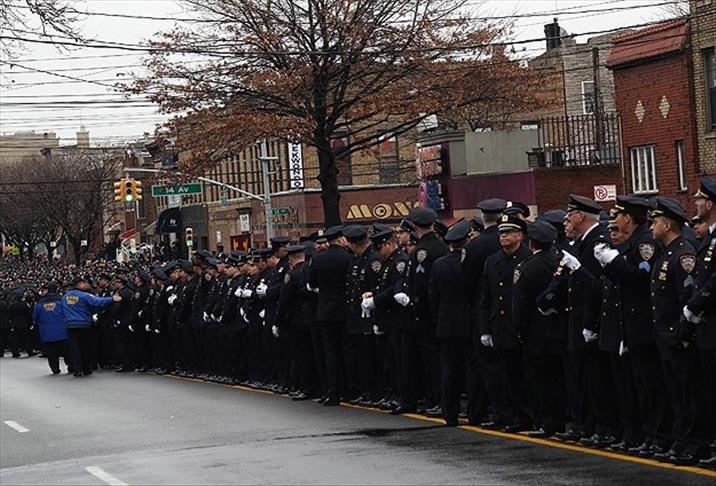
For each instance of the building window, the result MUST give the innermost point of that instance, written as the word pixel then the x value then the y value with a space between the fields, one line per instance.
pixel 388 159
pixel 587 97
pixel 681 160
pixel 710 76
pixel 643 169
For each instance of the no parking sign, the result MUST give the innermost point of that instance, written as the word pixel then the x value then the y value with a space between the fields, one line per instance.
pixel 605 192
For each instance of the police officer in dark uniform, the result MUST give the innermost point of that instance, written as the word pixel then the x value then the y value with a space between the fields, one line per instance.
pixel 123 316
pixel 672 279
pixel 556 217
pixel 106 348
pixel 701 308
pixel 390 319
pixel 280 346
pixel 540 334
pixel 495 324
pixel 451 307
pixel 420 345
pixel 328 275
pixel 632 339
pixel 143 312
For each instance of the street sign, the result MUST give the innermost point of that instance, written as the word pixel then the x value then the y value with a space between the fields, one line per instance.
pixel 173 201
pixel 605 192
pixel 280 211
pixel 178 189
pixel 224 201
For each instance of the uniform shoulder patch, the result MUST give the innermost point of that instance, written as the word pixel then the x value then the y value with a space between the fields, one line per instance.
pixel 376 265
pixel 287 278
pixel 647 250
pixel 463 255
pixel 400 267
pixel 516 276
pixel 421 255
pixel 137 295
pixel 688 262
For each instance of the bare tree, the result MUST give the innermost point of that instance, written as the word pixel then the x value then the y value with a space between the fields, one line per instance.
pixel 46 18
pixel 317 71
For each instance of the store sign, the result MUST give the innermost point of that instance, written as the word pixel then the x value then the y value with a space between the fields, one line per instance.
pixel 244 223
pixel 295 166
pixel 240 243
pixel 379 211
pixel 429 161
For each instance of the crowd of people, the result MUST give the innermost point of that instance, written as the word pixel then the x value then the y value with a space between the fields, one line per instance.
pixel 594 330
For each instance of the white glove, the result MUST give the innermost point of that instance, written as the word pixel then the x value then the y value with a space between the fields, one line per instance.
pixel 95 318
pixel 131 329
pixel 402 298
pixel 172 298
pixel 261 290
pixel 156 331
pixel 242 312
pixel 146 328
pixel 274 331
pixel 376 330
pixel 547 312
pixel 690 316
pixel 239 292
pixel 247 293
pixel 589 335
pixel 368 303
pixel 604 254
pixel 570 261
pixel 262 314
pixel 140 313
pixel 207 317
pixel 214 318
pixel 486 340
pixel 311 289
pixel 622 349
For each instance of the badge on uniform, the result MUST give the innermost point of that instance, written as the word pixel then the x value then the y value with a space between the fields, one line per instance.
pixel 287 278
pixel 137 295
pixel 421 255
pixel 516 276
pixel 463 255
pixel 376 266
pixel 688 262
pixel 400 267
pixel 647 250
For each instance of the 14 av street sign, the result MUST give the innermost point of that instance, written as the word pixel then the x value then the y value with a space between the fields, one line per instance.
pixel 177 190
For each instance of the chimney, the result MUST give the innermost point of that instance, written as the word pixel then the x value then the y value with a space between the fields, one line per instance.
pixel 83 138
pixel 552 34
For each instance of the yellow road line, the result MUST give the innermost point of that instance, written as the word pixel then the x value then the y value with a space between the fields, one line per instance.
pixel 495 433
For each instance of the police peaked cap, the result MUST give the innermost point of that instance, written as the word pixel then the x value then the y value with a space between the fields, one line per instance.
pixel 187 266
pixel 233 261
pixel 458 232
pixel 279 241
pixel 631 205
pixel 333 233
pixel 707 188
pixel 584 204
pixel 355 233
pixel 406 225
pixel 494 205
pixel 542 232
pixel 171 266
pixel 293 249
pixel 376 228
pixel 669 207
pixel 380 238
pixel 516 207
pixel 104 276
pixel 423 217
pixel 144 276
pixel 509 222
pixel 160 274
pixel 440 228
pixel 476 224
pixel 554 216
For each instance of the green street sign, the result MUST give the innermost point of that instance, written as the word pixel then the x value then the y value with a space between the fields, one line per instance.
pixel 280 211
pixel 178 190
pixel 224 200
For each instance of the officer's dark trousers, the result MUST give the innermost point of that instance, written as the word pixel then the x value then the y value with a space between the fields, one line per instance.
pixel 430 359
pixel 682 377
pixel 53 351
pixel 493 379
pixel 319 358
pixel 189 346
pixel 4 340
pixel 106 352
pixel 512 365
pixel 577 371
pixel 254 354
pixel 302 354
pixel 457 358
pixel 655 410
pixel 20 340
pixel 122 340
pixel 626 398
pixel 371 368
pixel 601 393
pixel 354 362
pixel 707 358
pixel 140 347
pixel 333 333
pixel 544 376
pixel 177 343
pixel 80 339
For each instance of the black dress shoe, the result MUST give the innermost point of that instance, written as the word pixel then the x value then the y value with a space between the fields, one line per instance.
pixel 434 412
pixel 684 459
pixel 492 424
pixel 590 441
pixel 331 402
pixel 514 428
pixel 569 435
pixel 664 456
pixel 604 441
pixel 56 372
pixel 78 374
pixel 401 410
pixel 643 447
pixel 87 373
pixel 299 397
pixel 451 423
pixel 540 433
pixel 710 462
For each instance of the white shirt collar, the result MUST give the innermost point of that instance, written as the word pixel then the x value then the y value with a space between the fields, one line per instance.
pixel 588 231
pixel 712 228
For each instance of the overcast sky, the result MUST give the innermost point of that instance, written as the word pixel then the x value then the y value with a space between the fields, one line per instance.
pixel 128 121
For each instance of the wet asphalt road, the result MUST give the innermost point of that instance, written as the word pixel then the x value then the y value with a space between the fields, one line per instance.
pixel 146 429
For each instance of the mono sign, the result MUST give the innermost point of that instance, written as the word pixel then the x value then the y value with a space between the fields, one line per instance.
pixel 295 166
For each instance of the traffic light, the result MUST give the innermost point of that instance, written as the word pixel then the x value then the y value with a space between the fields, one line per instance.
pixel 128 190
pixel 119 190
pixel 137 189
pixel 189 233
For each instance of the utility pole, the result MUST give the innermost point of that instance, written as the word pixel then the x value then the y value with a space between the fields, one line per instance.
pixel 597 103
pixel 265 159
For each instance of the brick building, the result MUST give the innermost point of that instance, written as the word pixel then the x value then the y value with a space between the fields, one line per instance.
pixel 654 93
pixel 703 50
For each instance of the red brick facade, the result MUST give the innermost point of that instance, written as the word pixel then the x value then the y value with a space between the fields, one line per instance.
pixel 553 186
pixel 654 96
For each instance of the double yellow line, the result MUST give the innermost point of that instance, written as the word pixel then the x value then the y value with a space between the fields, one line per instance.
pixel 521 436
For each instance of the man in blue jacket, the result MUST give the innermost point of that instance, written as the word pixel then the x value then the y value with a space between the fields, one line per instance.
pixel 78 305
pixel 47 316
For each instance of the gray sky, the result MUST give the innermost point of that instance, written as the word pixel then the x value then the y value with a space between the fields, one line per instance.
pixel 129 120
